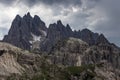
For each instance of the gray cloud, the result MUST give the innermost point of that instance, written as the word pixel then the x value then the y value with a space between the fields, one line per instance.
pixel 98 15
pixel 52 2
pixel 7 2
pixel 31 3
pixel 3 31
pixel 111 26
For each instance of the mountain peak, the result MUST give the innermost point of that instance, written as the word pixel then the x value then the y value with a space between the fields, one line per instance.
pixel 18 17
pixel 37 17
pixel 86 30
pixel 24 30
pixel 59 22
pixel 68 25
pixel 102 39
pixel 23 27
pixel 102 36
pixel 28 14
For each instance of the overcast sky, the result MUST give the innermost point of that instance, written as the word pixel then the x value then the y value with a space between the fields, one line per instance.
pixel 102 16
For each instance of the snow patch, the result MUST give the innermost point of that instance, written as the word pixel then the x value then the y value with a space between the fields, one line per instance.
pixel 31 46
pixel 30 42
pixel 44 33
pixel 35 38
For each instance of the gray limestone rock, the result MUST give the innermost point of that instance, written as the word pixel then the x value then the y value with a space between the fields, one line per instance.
pixel 25 30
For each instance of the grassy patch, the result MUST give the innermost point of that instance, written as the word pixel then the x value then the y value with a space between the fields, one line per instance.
pixel 76 70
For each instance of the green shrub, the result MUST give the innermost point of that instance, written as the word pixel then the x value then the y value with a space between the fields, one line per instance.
pixel 76 70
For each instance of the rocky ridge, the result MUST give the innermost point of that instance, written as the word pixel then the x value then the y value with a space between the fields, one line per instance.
pixel 31 33
pixel 70 59
pixel 26 31
pixel 71 55
pixel 75 52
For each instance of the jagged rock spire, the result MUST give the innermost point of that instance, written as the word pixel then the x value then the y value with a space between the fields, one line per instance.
pixel 28 14
pixel 24 29
pixel 59 22
pixel 102 39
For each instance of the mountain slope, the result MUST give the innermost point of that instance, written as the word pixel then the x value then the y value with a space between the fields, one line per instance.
pixel 74 53
pixel 31 33
pixel 71 55
pixel 25 31
pixel 55 32
pixel 14 60
pixel 70 59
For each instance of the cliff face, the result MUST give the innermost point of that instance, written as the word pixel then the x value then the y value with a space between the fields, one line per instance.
pixel 68 52
pixel 87 36
pixel 14 60
pixel 55 32
pixel 71 59
pixel 71 55
pixel 75 52
pixel 30 33
pixel 25 31
pixel 102 53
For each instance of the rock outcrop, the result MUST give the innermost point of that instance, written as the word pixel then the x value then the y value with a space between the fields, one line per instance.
pixel 71 55
pixel 68 52
pixel 75 52
pixel 31 33
pixel 14 60
pixel 70 59
pixel 55 32
pixel 25 31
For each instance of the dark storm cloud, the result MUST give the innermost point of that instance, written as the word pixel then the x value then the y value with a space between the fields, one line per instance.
pixel 52 2
pixel 7 2
pixel 63 9
pixel 31 3
pixel 111 26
